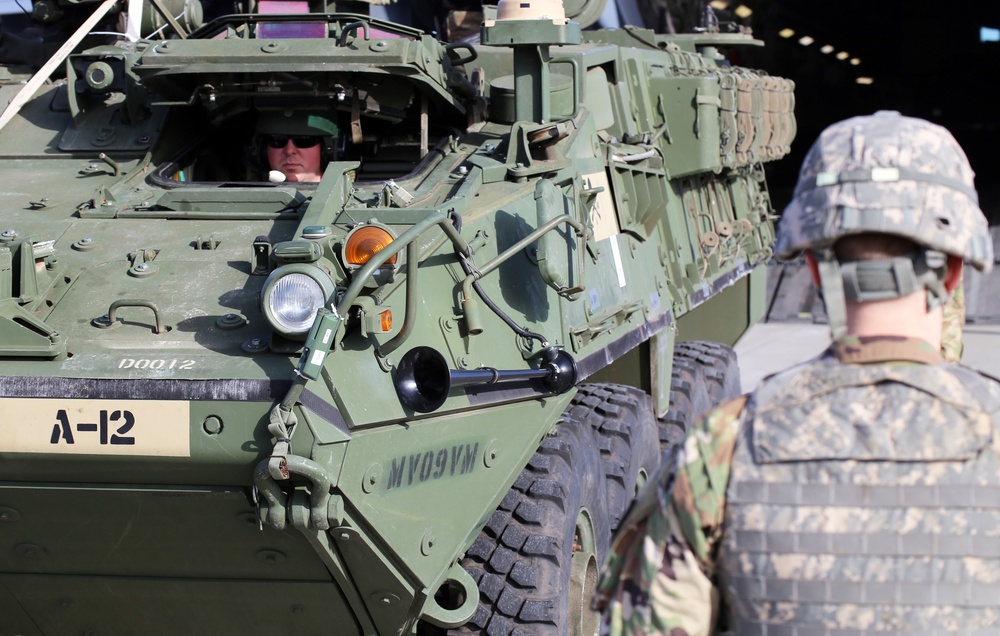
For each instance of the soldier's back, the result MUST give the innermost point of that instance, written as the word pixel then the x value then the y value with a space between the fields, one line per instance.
pixel 866 497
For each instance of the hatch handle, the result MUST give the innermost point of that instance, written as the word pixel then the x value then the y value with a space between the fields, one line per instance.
pixel 351 28
pixel 113 309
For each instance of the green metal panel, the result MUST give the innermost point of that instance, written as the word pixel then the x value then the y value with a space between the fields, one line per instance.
pixel 723 318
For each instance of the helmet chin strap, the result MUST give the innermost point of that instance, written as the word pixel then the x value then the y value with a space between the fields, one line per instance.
pixel 883 279
pixel 832 286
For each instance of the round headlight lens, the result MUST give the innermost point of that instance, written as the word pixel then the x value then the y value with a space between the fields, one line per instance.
pixel 293 302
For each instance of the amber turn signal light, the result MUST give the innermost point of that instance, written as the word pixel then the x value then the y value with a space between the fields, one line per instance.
pixel 364 243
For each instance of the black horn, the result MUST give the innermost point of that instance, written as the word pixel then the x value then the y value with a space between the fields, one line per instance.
pixel 423 379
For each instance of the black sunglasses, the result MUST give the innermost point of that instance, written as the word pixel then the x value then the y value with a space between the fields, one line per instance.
pixel 280 141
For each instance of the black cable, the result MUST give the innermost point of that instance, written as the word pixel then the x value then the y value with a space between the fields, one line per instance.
pixel 456 220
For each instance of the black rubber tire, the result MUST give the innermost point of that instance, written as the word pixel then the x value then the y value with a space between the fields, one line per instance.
pixel 523 559
pixel 704 375
pixel 688 398
pixel 627 432
pixel 597 458
pixel 720 367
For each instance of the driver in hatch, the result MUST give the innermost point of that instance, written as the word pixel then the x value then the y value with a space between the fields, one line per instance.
pixel 296 145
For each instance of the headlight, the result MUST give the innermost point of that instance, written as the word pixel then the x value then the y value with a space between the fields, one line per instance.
pixel 291 296
pixel 293 302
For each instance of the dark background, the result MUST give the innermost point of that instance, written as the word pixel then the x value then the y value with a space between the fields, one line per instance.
pixel 925 57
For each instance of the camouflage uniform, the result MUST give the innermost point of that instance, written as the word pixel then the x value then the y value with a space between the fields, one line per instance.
pixel 858 492
pixel 881 528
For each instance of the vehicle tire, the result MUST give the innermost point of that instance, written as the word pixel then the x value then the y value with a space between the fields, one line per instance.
pixel 626 427
pixel 688 399
pixel 537 560
pixel 704 375
pixel 721 369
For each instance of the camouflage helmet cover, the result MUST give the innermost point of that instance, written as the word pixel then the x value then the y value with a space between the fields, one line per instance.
pixel 890 174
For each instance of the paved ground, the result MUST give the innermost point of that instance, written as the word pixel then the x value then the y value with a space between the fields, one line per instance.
pixel 772 346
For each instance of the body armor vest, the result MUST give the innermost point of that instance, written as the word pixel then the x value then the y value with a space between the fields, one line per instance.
pixel 863 499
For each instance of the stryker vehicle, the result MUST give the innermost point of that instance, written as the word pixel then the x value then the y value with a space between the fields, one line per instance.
pixel 415 396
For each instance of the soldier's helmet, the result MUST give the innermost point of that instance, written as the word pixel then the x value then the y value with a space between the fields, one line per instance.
pixel 295 122
pixel 887 174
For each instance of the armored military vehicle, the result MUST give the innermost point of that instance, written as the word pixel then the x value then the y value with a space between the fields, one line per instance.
pixel 414 396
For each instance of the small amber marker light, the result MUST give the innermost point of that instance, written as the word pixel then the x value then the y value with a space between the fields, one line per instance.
pixel 364 243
